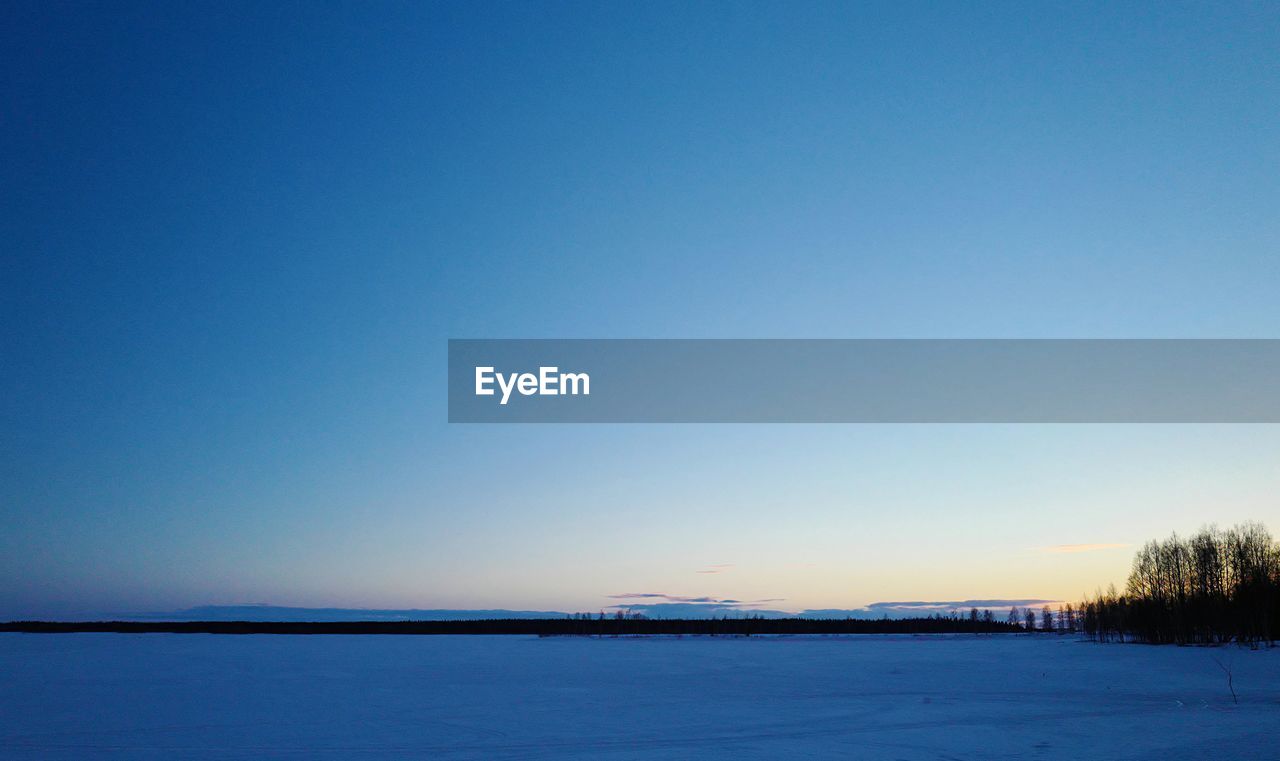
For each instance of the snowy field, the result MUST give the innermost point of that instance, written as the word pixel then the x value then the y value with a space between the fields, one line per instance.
pixel 163 696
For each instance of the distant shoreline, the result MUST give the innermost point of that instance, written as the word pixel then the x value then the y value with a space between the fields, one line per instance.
pixel 529 626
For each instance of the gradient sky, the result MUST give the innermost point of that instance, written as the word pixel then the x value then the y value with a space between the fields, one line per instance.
pixel 238 235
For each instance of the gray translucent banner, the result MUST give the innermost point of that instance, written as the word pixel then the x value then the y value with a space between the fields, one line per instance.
pixel 864 381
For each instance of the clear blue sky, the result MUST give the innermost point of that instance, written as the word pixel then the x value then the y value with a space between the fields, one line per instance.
pixel 238 235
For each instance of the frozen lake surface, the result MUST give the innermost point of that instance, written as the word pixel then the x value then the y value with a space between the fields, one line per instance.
pixel 166 696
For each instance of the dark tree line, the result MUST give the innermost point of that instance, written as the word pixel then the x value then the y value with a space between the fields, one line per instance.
pixel 585 625
pixel 1064 620
pixel 1213 587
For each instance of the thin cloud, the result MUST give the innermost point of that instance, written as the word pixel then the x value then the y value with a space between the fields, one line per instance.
pixel 663 596
pixel 704 600
pixel 1071 548
pixel 716 568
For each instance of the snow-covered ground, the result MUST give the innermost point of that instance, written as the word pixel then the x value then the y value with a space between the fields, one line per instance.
pixel 161 696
